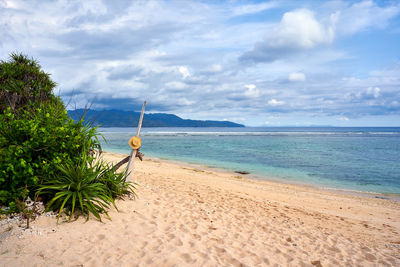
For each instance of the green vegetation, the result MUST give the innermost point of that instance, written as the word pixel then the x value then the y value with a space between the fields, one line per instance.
pixel 43 151
pixel 24 85
pixel 78 185
pixel 120 118
pixel 28 213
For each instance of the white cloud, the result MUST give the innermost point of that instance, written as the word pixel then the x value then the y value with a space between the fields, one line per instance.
pixel 251 9
pixel 184 60
pixel 215 68
pixel 8 4
pixel 160 53
pixel 184 71
pixel 298 30
pixel 185 102
pixel 369 93
pixel 365 14
pixel 251 91
pixel 250 86
pixel 176 85
pixel 394 104
pixel 343 118
pixel 374 91
pixel 297 77
pixel 274 102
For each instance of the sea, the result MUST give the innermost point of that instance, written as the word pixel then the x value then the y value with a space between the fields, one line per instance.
pixel 340 158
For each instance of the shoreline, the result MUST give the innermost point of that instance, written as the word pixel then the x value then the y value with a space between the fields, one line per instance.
pixel 252 176
pixel 190 216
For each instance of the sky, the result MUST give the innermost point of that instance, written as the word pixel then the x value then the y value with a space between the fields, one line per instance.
pixel 259 63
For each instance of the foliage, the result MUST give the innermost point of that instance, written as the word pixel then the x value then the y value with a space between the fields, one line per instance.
pixel 120 118
pixel 32 145
pixel 28 212
pixel 36 133
pixel 77 184
pixel 86 186
pixel 12 208
pixel 22 83
pixel 42 148
pixel 115 182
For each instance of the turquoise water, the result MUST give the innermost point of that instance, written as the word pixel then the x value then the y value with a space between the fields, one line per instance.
pixel 361 159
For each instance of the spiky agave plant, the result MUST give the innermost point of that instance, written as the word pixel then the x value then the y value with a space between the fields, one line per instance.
pixel 116 183
pixel 85 184
pixel 77 187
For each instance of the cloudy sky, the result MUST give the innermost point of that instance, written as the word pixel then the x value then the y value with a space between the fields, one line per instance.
pixel 263 63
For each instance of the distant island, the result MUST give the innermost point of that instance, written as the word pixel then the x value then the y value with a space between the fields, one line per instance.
pixel 120 118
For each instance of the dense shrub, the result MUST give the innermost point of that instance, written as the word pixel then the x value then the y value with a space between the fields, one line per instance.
pixel 78 187
pixel 115 182
pixel 43 151
pixel 33 144
pixel 36 133
pixel 85 185
pixel 23 84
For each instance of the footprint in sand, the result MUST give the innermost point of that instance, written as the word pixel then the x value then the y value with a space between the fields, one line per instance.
pixel 170 236
pixel 186 257
pixel 144 244
pixel 178 242
pixel 369 257
pixel 196 236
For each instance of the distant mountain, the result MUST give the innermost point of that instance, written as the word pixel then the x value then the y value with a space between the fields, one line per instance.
pixel 120 118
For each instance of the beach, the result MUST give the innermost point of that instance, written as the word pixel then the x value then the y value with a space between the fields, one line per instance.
pixel 189 215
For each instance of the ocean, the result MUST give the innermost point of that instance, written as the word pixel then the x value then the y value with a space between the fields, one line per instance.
pixel 354 159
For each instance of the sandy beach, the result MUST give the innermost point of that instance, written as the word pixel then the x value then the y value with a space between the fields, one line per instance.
pixel 192 216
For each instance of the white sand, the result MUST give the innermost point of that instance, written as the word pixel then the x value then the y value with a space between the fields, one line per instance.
pixel 187 215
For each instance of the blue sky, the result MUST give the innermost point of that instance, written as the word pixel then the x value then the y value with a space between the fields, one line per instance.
pixel 260 63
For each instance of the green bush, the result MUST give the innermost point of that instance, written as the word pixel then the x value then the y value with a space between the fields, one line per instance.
pixel 87 186
pixel 44 152
pixel 36 133
pixel 32 145
pixel 77 186
pixel 116 184
pixel 23 84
